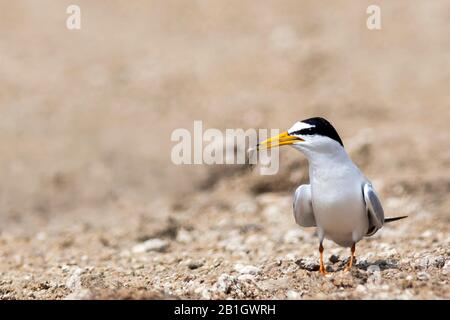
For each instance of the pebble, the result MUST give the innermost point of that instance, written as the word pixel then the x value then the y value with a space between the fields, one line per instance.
pixel 246 269
pixel 291 256
pixel 372 269
pixel 292 295
pixel 362 263
pixel 334 258
pixel 225 282
pixel 390 253
pixel 423 276
pixel 446 268
pixel 206 294
pixel 309 264
pixel 65 268
pixel 74 280
pixel 194 264
pixel 246 277
pixel 374 273
pixel 431 261
pixel 151 245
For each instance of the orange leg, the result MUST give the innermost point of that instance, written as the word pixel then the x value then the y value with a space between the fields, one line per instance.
pixel 350 263
pixel 322 269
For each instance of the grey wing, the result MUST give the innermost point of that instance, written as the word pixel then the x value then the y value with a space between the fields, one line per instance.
pixel 374 209
pixel 303 210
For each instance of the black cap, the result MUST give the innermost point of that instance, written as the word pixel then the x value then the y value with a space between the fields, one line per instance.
pixel 319 126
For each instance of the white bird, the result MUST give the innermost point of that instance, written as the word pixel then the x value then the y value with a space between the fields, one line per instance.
pixel 340 201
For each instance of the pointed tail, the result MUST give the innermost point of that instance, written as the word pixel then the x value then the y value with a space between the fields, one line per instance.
pixel 387 220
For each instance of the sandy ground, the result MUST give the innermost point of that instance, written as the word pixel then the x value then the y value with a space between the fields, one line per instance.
pixel 92 207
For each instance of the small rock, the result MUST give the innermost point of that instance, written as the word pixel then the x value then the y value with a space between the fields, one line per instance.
pixel 28 277
pixel 65 268
pixel 192 264
pixel 446 267
pixel 423 276
pixel 372 269
pixel 206 294
pixel 431 261
pixel 308 264
pixel 225 282
pixel 334 258
pixel 74 281
pixel 390 253
pixel 200 289
pixel 246 277
pixel 362 263
pixel 374 274
pixel 248 269
pixel 291 256
pixel 151 245
pixel 292 295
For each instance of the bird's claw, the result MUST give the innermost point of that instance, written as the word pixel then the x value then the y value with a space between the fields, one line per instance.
pixel 323 271
pixel 348 267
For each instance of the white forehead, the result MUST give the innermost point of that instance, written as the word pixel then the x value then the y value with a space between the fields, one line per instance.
pixel 299 126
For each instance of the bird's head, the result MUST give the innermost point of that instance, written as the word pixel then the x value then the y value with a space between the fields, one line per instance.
pixel 313 135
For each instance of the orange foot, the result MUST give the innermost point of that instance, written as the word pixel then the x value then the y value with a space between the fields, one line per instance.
pixel 350 263
pixel 322 269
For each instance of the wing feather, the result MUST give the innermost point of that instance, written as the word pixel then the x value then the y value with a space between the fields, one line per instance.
pixel 374 209
pixel 303 210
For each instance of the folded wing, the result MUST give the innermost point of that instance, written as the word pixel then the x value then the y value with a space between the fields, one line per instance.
pixel 374 209
pixel 303 211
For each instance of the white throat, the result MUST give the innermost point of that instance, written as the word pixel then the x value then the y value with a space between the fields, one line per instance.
pixel 328 158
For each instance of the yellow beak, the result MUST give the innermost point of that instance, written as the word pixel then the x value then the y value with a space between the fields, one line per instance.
pixel 281 140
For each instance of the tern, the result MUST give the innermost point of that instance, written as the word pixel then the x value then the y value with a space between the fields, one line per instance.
pixel 339 200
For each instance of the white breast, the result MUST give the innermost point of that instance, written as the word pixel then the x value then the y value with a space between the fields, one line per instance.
pixel 338 203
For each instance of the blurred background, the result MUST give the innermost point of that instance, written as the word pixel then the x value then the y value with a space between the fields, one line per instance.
pixel 86 115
